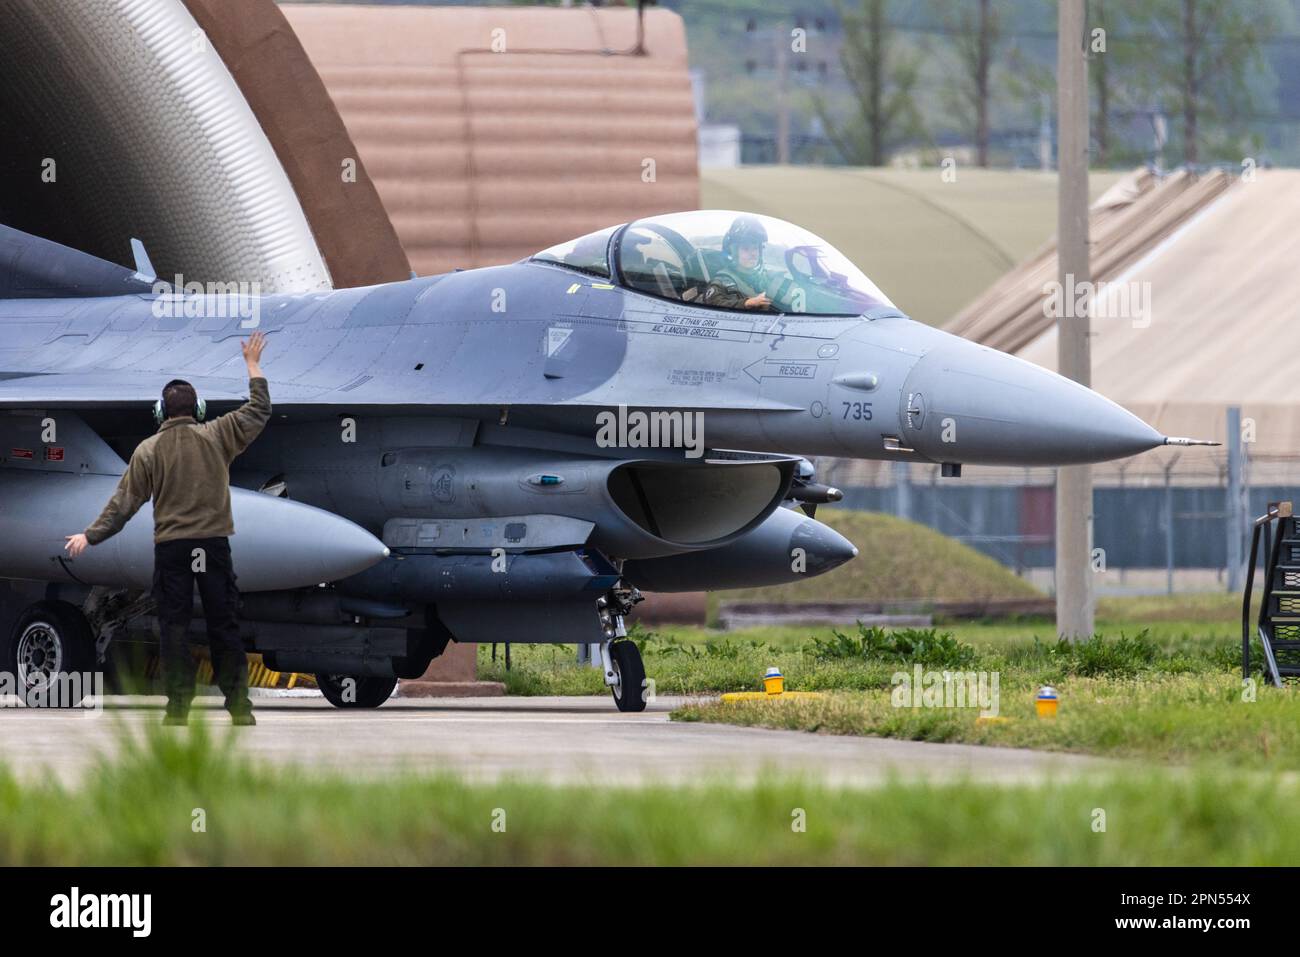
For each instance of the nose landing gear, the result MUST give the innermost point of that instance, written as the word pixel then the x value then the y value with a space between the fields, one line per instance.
pixel 621 658
pixel 624 671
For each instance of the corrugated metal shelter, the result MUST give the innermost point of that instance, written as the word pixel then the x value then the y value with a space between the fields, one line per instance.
pixel 119 119
pixel 491 133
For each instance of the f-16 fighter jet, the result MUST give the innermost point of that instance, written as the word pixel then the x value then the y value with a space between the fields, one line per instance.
pixel 510 453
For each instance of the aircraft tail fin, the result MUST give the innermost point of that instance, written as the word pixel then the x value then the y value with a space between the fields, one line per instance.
pixel 35 268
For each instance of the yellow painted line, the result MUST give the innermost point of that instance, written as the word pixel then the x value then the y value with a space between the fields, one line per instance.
pixel 734 696
pixel 574 288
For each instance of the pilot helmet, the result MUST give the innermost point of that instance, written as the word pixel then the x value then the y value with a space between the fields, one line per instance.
pixel 745 231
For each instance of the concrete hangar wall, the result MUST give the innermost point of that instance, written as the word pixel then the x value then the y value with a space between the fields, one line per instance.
pixel 218 132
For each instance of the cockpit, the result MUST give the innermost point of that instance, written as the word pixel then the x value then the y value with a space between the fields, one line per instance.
pixel 718 259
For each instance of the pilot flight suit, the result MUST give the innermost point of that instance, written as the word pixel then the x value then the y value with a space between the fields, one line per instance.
pixel 732 286
pixel 185 468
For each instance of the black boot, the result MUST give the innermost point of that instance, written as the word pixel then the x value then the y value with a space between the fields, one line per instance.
pixel 178 673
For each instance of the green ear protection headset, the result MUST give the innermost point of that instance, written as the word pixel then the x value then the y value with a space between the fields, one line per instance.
pixel 200 405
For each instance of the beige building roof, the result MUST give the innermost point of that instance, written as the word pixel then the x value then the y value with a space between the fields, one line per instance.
pixel 1126 222
pixel 484 157
pixel 1223 327
pixel 1209 265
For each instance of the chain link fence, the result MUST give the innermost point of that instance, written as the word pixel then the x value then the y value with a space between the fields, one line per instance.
pixel 1152 523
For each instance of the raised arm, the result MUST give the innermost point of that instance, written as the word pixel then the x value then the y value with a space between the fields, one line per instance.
pixel 236 430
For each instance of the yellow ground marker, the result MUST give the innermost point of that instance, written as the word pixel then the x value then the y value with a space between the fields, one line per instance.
pixel 1047 702
pixel 773 689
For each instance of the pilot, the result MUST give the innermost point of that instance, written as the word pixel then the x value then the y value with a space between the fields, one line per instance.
pixel 742 282
pixel 185 468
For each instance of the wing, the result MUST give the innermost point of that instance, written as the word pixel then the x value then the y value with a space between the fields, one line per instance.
pixel 121 390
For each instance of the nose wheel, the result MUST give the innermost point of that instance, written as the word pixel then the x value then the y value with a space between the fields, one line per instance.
pixel 624 673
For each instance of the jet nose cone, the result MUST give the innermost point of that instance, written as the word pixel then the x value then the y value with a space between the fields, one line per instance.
pixel 968 403
pixel 823 547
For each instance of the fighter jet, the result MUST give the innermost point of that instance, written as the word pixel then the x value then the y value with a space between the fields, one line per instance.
pixel 510 453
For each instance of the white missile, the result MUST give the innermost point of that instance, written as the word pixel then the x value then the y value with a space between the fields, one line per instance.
pixel 277 544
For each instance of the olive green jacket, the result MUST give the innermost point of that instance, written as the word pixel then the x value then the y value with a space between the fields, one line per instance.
pixel 730 290
pixel 185 468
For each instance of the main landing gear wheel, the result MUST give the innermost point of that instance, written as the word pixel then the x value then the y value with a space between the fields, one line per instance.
pixel 49 640
pixel 352 691
pixel 629 683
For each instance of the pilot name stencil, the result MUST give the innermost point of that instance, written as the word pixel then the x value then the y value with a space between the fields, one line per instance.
pixel 694 327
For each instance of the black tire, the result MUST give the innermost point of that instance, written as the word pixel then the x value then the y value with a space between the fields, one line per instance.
pixel 49 638
pixel 367 692
pixel 630 691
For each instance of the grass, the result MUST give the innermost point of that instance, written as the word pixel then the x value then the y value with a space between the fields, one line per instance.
pixel 1154 685
pixel 1153 695
pixel 690 660
pixel 141 808
pixel 914 562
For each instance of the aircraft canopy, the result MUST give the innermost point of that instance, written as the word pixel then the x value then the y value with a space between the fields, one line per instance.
pixel 726 260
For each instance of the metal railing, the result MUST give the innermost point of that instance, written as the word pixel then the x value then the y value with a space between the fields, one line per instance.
pixel 1262 527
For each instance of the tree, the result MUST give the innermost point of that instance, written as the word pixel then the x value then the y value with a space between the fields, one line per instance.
pixel 976 36
pixel 881 80
pixel 1203 54
pixel 1102 83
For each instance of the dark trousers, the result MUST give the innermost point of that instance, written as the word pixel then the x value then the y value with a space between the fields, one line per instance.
pixel 177 566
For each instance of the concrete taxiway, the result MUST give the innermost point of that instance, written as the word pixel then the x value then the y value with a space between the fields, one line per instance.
pixel 559 740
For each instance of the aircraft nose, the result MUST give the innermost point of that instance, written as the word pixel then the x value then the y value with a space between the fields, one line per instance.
pixel 968 403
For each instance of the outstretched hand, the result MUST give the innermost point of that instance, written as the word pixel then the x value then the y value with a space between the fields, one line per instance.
pixel 252 349
pixel 76 544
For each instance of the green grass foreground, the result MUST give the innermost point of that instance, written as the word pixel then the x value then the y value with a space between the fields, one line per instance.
pixel 140 809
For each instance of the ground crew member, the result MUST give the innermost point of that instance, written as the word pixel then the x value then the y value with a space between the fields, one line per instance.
pixel 185 468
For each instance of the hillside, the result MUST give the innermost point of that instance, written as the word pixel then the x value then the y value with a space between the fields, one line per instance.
pixel 898 559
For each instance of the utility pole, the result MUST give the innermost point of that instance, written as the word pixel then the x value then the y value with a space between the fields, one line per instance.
pixel 1074 585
